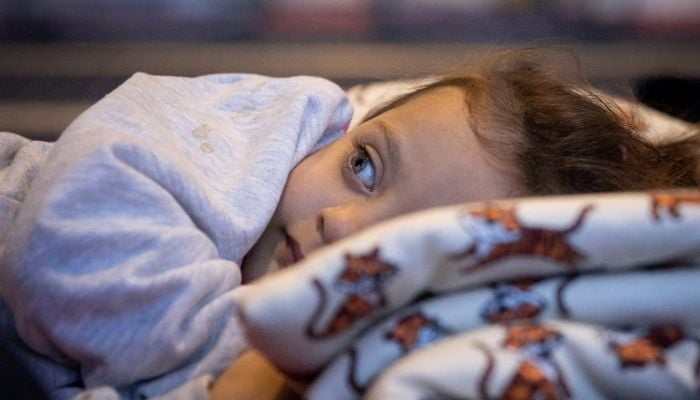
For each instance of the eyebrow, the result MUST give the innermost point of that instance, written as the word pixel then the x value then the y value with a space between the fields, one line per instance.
pixel 391 146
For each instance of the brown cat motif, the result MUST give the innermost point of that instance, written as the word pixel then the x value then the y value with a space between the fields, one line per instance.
pixel 536 339
pixel 648 349
pixel 410 332
pixel 512 302
pixel 498 234
pixel 669 203
pixel 530 382
pixel 361 281
pixel 414 331
pixel 537 376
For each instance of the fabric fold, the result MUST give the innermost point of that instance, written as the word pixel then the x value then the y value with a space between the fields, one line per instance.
pixel 616 262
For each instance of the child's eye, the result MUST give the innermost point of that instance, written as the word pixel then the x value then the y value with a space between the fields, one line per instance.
pixel 363 167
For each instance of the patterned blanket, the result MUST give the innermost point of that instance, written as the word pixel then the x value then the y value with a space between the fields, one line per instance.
pixel 580 297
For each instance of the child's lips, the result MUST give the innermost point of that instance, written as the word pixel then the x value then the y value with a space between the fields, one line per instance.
pixel 292 250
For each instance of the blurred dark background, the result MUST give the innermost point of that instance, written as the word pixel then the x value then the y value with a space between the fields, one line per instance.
pixel 58 56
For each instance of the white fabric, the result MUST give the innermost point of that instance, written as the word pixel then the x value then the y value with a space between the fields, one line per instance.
pixel 123 258
pixel 20 160
pixel 560 289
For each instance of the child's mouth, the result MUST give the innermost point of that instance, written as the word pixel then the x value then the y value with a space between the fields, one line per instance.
pixel 292 250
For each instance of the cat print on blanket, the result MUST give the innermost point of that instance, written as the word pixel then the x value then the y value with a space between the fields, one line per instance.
pixel 511 302
pixel 410 332
pixel 648 349
pixel 537 376
pixel 362 282
pixel 669 202
pixel 533 340
pixel 498 234
pixel 414 331
pixel 531 381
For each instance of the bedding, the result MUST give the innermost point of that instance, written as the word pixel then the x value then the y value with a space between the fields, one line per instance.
pixel 119 269
pixel 588 296
pixel 600 303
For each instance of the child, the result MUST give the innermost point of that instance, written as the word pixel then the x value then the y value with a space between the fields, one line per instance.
pixel 121 264
pixel 510 129
pixel 507 129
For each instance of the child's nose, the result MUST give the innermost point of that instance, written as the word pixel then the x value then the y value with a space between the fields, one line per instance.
pixel 335 223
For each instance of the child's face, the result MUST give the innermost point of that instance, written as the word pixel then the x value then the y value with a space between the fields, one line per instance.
pixel 420 154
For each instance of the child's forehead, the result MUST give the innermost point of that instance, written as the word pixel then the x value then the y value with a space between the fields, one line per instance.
pixel 443 107
pixel 427 125
pixel 430 90
pixel 420 102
